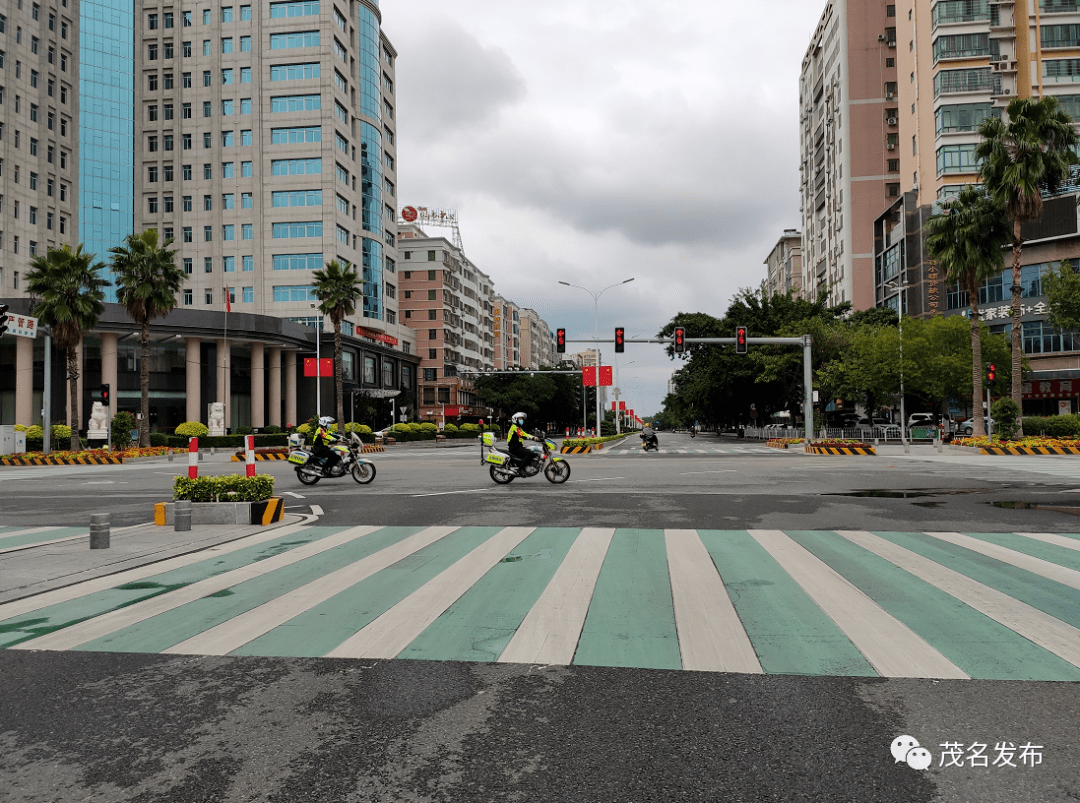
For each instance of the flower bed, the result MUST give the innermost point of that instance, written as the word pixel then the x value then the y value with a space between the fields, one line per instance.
pixel 85 457
pixel 1032 445
pixel 782 443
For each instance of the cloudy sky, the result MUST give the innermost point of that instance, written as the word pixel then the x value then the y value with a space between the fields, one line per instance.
pixel 591 142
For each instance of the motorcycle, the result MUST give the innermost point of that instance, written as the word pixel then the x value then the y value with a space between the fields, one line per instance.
pixel 504 467
pixel 650 442
pixel 693 432
pixel 310 469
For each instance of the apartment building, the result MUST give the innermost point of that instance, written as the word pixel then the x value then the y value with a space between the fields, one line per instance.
pixel 536 339
pixel 783 265
pixel 849 146
pixel 262 138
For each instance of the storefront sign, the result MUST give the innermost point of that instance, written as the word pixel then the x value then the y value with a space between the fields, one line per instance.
pixel 1050 388
pixel 1004 311
pixel 380 336
pixel 934 299
pixel 22 326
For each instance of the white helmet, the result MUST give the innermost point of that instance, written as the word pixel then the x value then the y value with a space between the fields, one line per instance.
pixel 519 418
pixel 325 421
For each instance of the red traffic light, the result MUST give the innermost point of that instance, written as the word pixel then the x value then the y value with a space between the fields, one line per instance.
pixel 740 340
pixel 560 341
pixel 990 372
pixel 680 340
pixel 104 395
pixel 620 340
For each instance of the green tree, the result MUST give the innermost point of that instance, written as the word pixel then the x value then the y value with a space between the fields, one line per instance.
pixel 1062 288
pixel 1020 159
pixel 68 287
pixel 338 290
pixel 147 281
pixel 966 239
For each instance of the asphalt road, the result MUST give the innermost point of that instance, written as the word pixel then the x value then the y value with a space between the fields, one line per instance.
pixel 105 726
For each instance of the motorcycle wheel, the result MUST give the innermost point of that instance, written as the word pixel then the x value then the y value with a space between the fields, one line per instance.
pixel 557 471
pixel 501 475
pixel 363 473
pixel 307 476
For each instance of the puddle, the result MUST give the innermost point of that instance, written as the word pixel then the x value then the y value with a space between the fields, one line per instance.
pixel 913 493
pixel 926 504
pixel 1015 505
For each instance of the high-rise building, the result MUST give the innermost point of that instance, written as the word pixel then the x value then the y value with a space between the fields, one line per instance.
pixel 849 146
pixel 783 265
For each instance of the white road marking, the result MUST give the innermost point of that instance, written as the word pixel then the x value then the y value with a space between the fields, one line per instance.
pixel 293 494
pixel 446 493
pixel 316 510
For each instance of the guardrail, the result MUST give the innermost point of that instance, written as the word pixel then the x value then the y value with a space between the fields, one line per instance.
pixel 881 433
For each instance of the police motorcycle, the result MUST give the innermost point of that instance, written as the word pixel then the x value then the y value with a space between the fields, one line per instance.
pixel 311 468
pixel 504 467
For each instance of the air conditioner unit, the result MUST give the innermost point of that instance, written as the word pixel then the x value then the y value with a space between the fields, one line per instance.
pixel 889 96
pixel 891 121
pixel 881 37
pixel 1008 91
pixel 890 147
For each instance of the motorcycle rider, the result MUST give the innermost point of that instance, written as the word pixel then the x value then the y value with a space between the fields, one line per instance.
pixel 648 436
pixel 322 440
pixel 515 437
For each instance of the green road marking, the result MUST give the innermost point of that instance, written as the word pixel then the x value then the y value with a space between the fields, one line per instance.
pixel 171 627
pixel 631 619
pixel 1060 601
pixel 64 614
pixel 976 643
pixel 790 633
pixel 320 629
pixel 483 620
pixel 1069 558
pixel 37 538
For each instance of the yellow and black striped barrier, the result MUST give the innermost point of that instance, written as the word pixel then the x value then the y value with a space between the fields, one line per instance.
pixel 370 447
pixel 268 511
pixel 575 449
pixel 1029 450
pixel 238 458
pixel 60 461
pixel 776 444
pixel 840 450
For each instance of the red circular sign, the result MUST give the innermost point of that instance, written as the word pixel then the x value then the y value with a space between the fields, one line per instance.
pixel 408 214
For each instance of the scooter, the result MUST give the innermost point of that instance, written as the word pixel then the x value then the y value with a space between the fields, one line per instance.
pixel 310 469
pixel 504 467
pixel 650 442
pixel 693 432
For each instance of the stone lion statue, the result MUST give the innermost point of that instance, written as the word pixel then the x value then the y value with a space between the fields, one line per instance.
pixel 97 424
pixel 217 418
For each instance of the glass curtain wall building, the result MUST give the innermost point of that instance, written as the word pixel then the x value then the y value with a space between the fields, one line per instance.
pixel 106 125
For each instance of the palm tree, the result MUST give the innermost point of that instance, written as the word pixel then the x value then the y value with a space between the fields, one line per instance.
pixel 966 240
pixel 147 281
pixel 338 289
pixel 1019 160
pixel 69 289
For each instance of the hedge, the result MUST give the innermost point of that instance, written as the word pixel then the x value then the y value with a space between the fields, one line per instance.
pixel 1054 426
pixel 227 488
pixel 589 441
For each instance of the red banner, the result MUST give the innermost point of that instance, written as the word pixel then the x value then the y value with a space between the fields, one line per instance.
pixel 622 405
pixel 588 376
pixel 452 411
pixel 605 375
pixel 383 338
pixel 326 367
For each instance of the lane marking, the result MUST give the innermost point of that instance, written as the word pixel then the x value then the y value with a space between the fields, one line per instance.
pixel 1037 626
pixel 891 647
pixel 717 471
pixel 711 635
pixel 446 493
pixel 250 625
pixel 293 494
pixel 550 631
pixel 393 631
pixel 1054 538
pixel 316 510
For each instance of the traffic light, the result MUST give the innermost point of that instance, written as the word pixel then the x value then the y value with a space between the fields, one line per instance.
pixel 104 395
pixel 3 319
pixel 620 339
pixel 560 341
pixel 740 340
pixel 680 340
pixel 990 373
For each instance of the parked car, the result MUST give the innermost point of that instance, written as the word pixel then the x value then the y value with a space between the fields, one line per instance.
pixel 921 420
pixel 968 427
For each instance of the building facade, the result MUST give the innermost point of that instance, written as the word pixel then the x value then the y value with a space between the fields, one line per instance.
pixel 783 265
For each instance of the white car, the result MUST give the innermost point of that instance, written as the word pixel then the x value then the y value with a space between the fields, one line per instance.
pixel 921 420
pixel 968 427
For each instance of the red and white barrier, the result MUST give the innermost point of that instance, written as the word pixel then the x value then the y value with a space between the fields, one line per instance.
pixel 249 442
pixel 193 458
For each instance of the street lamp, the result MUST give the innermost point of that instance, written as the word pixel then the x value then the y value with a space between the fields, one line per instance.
pixel 318 365
pixel 902 288
pixel 596 334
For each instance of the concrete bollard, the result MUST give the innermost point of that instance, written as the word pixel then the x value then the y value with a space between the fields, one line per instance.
pixel 249 443
pixel 99 531
pixel 169 453
pixel 194 456
pixel 182 516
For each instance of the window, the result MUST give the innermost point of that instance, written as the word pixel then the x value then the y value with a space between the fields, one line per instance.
pixel 169 167
pixel 245 44
pixel 227 170
pixel 206 16
pixel 207 139
pixel 208 296
pixel 207 48
pixel 168 50
pixel 341 113
pixel 186 17
pixel 169 204
pixel 151 206
pixel 295 292
pixel 956 159
pixel 245 13
pixel 227 107
pixel 342 174
pixel 168 19
pixel 226 44
pixel 207 171
pixel 245 169
pixel 187 235
pixel 227 76
pixel 339 51
pixel 295 167
pixel 187 265
pixel 151 82
pixel 151 143
pixel 189 298
pixel 187 173
pixel 295 72
pixel 187 80
pixel 297 198
pixel 294 9
pixel 249 295
pixel 186 139
pixel 207 79
pixel 248 262
pixel 388 185
pixel 340 82
pixel 342 235
pixel 963 116
pixel 207 108
pixel 245 137
pixel 152 112
pixel 294 230
pixel 295 103
pixel 152 173
pixel 297 261
pixel 227 139
pixel 208 234
pixel 287 41
pixel 247 231
pixel 245 200
pixel 961 46
pixel 168 110
pixel 245 75
pixel 228 200
pixel 286 136
pixel 187 203
pixel 431 295
pixel 339 20
pixel 342 204
pixel 227 14
pixel 230 265
pixel 152 52
pixel 431 258
pixel 341 143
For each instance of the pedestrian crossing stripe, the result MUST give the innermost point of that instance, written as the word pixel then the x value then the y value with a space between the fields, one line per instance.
pixel 855 603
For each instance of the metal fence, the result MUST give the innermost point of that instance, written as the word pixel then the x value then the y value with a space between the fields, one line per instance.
pixel 879 433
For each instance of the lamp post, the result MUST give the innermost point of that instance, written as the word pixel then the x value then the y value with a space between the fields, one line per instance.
pixel 596 333
pixel 901 288
pixel 318 366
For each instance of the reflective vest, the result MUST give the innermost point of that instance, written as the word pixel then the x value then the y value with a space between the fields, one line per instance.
pixel 323 436
pixel 518 433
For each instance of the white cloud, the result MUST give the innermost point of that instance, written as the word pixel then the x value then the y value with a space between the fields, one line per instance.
pixel 588 142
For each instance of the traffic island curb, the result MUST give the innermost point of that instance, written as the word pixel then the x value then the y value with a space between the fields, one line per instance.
pixel 849 449
pixel 266 511
pixel 61 461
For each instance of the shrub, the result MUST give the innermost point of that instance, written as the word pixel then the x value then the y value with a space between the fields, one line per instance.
pixel 273 429
pixel 34 433
pixel 450 428
pixel 122 424
pixel 21 427
pixel 428 426
pixel 304 429
pixel 1006 414
pixel 1053 426
pixel 470 427
pixel 192 429
pixel 60 432
pixel 227 488
pixel 402 428
pixel 244 431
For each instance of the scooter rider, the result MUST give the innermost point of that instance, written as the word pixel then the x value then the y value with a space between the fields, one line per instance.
pixel 322 440
pixel 648 435
pixel 515 437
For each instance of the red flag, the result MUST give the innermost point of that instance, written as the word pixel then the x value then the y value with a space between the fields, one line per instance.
pixel 605 375
pixel 228 306
pixel 588 376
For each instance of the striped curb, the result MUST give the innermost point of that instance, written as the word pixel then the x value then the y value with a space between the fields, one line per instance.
pixel 272 456
pixel 840 450
pixel 575 449
pixel 60 461
pixel 1028 450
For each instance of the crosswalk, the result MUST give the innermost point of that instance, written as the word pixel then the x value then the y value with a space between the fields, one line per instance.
pixel 744 450
pixel 856 603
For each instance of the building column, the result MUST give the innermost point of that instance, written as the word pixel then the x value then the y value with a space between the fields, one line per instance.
pixel 290 387
pixel 194 378
pixel 78 382
pixel 258 393
pixel 24 381
pixel 275 386
pixel 109 350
